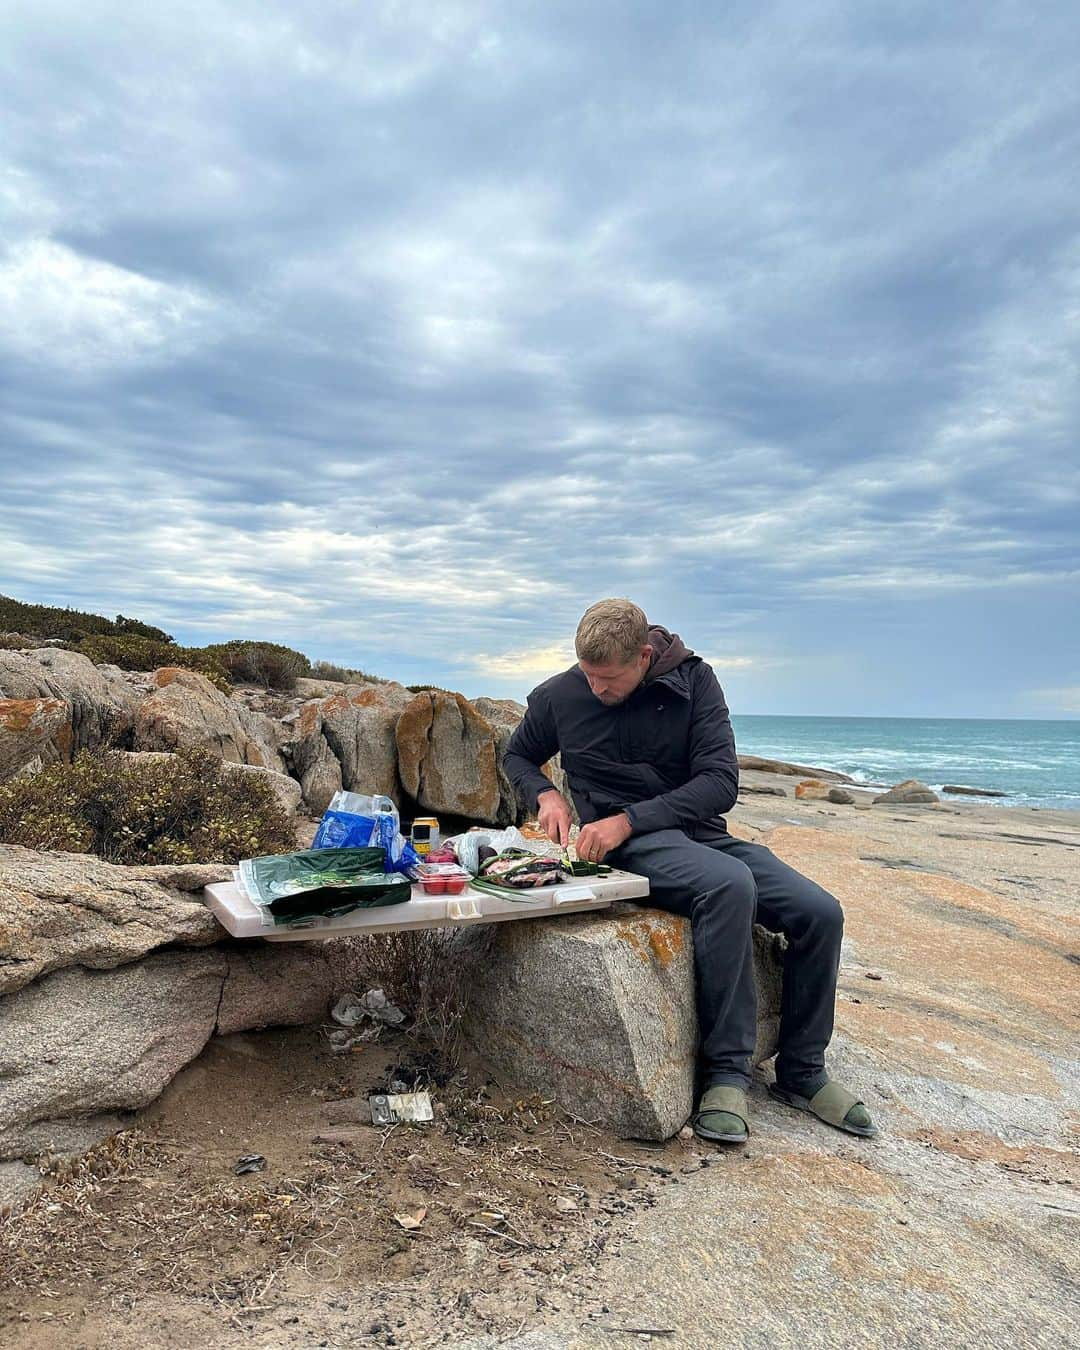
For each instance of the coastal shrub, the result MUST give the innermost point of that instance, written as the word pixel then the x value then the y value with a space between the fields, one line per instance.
pixel 142 653
pixel 136 628
pixel 72 625
pixel 184 809
pixel 50 621
pixel 15 642
pixel 264 663
pixel 326 670
pixel 428 689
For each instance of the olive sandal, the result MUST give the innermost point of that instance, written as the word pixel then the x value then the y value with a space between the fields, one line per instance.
pixel 722 1115
pixel 832 1104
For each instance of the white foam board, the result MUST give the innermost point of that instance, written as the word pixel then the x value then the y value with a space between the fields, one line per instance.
pixel 243 919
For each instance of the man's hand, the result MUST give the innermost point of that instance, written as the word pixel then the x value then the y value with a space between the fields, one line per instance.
pixel 597 840
pixel 554 816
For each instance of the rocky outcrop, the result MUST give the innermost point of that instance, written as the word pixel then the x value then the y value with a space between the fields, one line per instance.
pixel 80 1045
pixel 447 758
pixel 305 688
pixel 185 711
pixel 71 909
pixel 598 1011
pixel 812 789
pixel 442 750
pixel 909 792
pixel 54 703
pixel 112 978
pixel 503 715
pixel 791 770
pixel 840 797
pixel 347 741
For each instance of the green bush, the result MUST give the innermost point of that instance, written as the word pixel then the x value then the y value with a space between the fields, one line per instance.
pixel 264 663
pixel 142 653
pixel 50 621
pixel 185 809
pixel 71 625
pixel 14 642
pixel 326 670
pixel 136 628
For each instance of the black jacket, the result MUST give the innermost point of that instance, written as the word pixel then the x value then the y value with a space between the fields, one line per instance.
pixel 665 755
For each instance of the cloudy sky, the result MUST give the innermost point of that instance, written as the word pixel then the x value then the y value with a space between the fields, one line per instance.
pixel 400 332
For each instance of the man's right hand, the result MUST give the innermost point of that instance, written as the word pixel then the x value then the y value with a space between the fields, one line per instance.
pixel 554 816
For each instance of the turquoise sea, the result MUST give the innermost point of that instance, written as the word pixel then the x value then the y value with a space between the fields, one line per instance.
pixel 1035 763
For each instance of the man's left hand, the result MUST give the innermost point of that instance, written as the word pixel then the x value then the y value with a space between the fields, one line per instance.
pixel 597 840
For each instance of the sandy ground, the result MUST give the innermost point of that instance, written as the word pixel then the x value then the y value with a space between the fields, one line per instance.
pixel 956 1021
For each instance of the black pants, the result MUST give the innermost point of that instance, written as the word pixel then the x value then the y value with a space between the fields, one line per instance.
pixel 723 886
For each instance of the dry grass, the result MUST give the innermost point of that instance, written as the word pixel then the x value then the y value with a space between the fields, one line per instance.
pixel 420 971
pixel 537 1195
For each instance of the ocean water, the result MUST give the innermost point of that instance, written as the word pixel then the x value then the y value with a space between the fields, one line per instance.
pixel 1035 763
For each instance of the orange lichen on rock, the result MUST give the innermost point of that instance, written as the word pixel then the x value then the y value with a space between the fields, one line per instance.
pixel 666 938
pixel 1040 1163
pixel 310 716
pixel 29 715
pixel 33 727
pixel 945 941
pixel 653 937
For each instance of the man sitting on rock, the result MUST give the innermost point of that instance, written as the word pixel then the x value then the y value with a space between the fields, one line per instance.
pixel 649 754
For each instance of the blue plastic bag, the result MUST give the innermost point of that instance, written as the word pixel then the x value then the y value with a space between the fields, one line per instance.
pixel 341 829
pixel 346 829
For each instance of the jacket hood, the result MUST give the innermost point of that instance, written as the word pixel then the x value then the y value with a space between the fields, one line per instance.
pixel 669 651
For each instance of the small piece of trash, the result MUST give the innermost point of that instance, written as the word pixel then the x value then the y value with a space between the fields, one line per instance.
pixel 342 1041
pixel 872 975
pixel 350 1011
pixel 565 1205
pixel 395 1108
pixel 250 1162
pixel 413 1220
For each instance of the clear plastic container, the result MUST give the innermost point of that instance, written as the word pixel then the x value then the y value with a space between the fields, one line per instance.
pixel 442 878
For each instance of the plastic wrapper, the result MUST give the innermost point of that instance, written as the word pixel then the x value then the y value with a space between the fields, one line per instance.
pixel 355 820
pixel 292 887
pixel 521 869
pixel 467 846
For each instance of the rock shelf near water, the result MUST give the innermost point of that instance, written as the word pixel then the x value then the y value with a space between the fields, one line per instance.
pixel 955 1021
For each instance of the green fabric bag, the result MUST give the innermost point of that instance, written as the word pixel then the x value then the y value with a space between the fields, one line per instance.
pixel 322 883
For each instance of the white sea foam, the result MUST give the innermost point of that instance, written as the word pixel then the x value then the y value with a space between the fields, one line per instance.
pixel 1033 763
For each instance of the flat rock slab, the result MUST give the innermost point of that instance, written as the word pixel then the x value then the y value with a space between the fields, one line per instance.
pixel 66 909
pixel 598 1011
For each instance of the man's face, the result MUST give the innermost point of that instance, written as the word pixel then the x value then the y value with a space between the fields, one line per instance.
pixel 613 683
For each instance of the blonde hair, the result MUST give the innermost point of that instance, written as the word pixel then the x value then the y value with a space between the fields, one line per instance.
pixel 611 632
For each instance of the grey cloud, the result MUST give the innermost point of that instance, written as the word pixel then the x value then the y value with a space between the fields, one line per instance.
pixel 768 319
